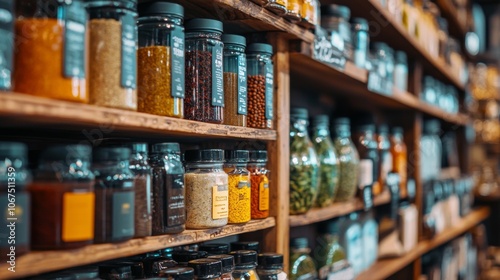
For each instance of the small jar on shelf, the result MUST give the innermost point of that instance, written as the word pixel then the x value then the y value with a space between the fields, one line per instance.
pixel 239 186
pixel 270 266
pixel 348 158
pixel 302 266
pixel 330 254
pixel 401 71
pixel 113 53
pixel 245 262
pixel 227 262
pixel 293 8
pixel 142 176
pixel 385 157
pixel 259 178
pixel 160 59
pixel 360 41
pixel 399 158
pixel 335 19
pixel 308 10
pixel 206 269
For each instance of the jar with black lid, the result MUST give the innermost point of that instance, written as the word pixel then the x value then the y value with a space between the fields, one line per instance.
pixel 204 100
pixel 215 248
pixel 245 245
pixel 177 273
pixel 360 41
pixel 245 262
pixel 6 49
pixel 160 59
pixel 14 177
pixel 115 195
pixel 227 265
pixel 206 268
pixel 63 179
pixel 169 212
pixel 335 19
pixel 142 175
pixel 183 257
pixel 270 266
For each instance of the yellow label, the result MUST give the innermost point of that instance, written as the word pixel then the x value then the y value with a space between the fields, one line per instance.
pixel 220 203
pixel 78 217
pixel 264 196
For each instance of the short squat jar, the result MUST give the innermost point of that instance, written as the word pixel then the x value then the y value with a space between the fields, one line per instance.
pixel 260 85
pixel 206 189
pixel 245 262
pixel 204 82
pixel 160 59
pixel 235 80
pixel 239 186
pixel 335 19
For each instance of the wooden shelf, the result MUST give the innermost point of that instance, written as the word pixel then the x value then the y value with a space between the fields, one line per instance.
pixel 317 215
pixel 17 110
pixel 36 263
pixel 387 267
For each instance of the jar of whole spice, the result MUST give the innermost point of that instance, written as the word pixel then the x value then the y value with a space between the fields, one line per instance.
pixel 142 172
pixel 349 160
pixel 235 80
pixel 7 50
pixel 113 53
pixel 160 59
pixel 206 189
pixel 204 71
pixel 169 212
pixel 260 85
pixel 259 179
pixel 62 181
pixel 114 195
pixel 239 186
pixel 14 177
pixel 270 266
pixel 49 60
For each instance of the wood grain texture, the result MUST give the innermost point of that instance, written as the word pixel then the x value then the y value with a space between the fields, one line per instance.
pixel 35 263
pixel 387 267
pixel 19 109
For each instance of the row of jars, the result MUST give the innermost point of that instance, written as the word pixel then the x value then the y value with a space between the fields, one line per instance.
pixel 199 74
pixel 204 261
pixel 439 94
pixel 325 170
pixel 123 193
pixel 295 11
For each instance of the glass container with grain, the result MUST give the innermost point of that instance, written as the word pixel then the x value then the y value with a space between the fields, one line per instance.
pixel 113 53
pixel 349 160
pixel 207 204
pixel 329 255
pixel 259 179
pixel 142 171
pixel 160 59
pixel 239 186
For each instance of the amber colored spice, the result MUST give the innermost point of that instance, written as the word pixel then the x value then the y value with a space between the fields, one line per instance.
pixel 257 102
pixel 239 198
pixel 154 83
pixel 258 205
pixel 231 116
pixel 38 62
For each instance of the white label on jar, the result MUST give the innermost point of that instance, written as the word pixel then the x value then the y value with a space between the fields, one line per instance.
pixel 220 202
pixel 365 173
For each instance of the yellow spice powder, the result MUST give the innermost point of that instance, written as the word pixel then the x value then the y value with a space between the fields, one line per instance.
pixel 239 198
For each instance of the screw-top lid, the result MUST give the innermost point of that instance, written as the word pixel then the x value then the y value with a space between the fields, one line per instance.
pixel 203 25
pixel 206 268
pixel 67 153
pixel 260 48
pixel 335 10
pixel 359 24
pixel 299 113
pixel 401 57
pixel 330 227
pixel 342 127
pixel 139 148
pixel 383 128
pixel 111 154
pixel 128 4
pixel 270 261
pixel 177 273
pixel 210 155
pixel 13 150
pixel 186 256
pixel 258 156
pixel 159 8
pixel 321 120
pixel 299 243
pixel 166 148
pixel 244 257
pixel 215 248
pixel 379 46
pixel 397 130
pixel 249 245
pixel 236 156
pixel 105 270
pixel 226 260
pixel 365 127
pixel 432 127
pixel 231 39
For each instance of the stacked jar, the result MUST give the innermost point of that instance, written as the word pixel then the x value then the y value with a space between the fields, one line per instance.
pixel 142 177
pixel 259 178
pixel 160 58
pixel 239 186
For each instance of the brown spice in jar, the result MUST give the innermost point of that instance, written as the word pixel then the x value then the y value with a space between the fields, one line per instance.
pixel 257 101
pixel 231 116
pixel 105 66
pixel 142 217
pixel 154 83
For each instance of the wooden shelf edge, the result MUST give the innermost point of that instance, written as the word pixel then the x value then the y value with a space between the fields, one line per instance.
pixel 317 215
pixel 387 267
pixel 39 262
pixel 36 110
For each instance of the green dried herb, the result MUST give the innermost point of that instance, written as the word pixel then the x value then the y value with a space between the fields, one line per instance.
pixel 328 170
pixel 349 169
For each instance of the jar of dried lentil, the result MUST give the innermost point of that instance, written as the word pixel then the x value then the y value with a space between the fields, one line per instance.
pixel 160 58
pixel 169 212
pixel 140 168
pixel 259 180
pixel 49 60
pixel 6 49
pixel 207 194
pixel 113 53
pixel 204 99
pixel 260 85
pixel 235 80
pixel 239 186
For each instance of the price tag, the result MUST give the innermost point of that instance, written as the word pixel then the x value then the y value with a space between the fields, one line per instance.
pixel 326 51
pixel 217 76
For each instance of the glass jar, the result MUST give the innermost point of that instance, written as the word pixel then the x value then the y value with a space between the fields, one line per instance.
pixel 245 245
pixel 49 60
pixel 114 195
pixel 184 257
pixel 177 273
pixel 352 242
pixel 329 254
pixel 399 158
pixel 390 69
pixel 169 211
pixel 385 158
pixel 259 180
pixel 293 11
pixel 260 81
pixel 160 59
pixel 335 19
pixel 429 90
pixel 276 6
pixel 227 265
pixel 401 71
pixel 113 53
pixel 63 179
pixel 204 99
pixel 348 159
pixel 235 80
pixel 6 49
pixel 140 168
pixel 328 161
pixel 360 41
pixel 239 186
pixel 369 232
pixel 367 147
pixel 14 177
pixel 301 264
pixel 206 269
pixel 304 165
pixel 410 17
pixel 245 262
pixel 206 189
pixel 443 39
pixel 379 58
pixel 307 10
pixel 215 248
pixel 270 266
pixel 431 149
pixel 115 272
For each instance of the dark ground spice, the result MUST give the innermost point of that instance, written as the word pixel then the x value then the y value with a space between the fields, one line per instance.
pixel 169 212
pixel 231 116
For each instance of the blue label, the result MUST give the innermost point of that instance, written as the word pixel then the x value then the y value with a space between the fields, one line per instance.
pixel 242 85
pixel 123 215
pixel 269 91
pixel 74 40
pixel 177 57
pixel 129 51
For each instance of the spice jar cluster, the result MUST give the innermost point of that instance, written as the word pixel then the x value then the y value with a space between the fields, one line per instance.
pixel 119 54
pixel 78 196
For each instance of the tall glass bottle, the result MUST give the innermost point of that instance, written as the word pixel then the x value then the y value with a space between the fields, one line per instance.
pixel 301 264
pixel 329 254
pixel 385 158
pixel 399 158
